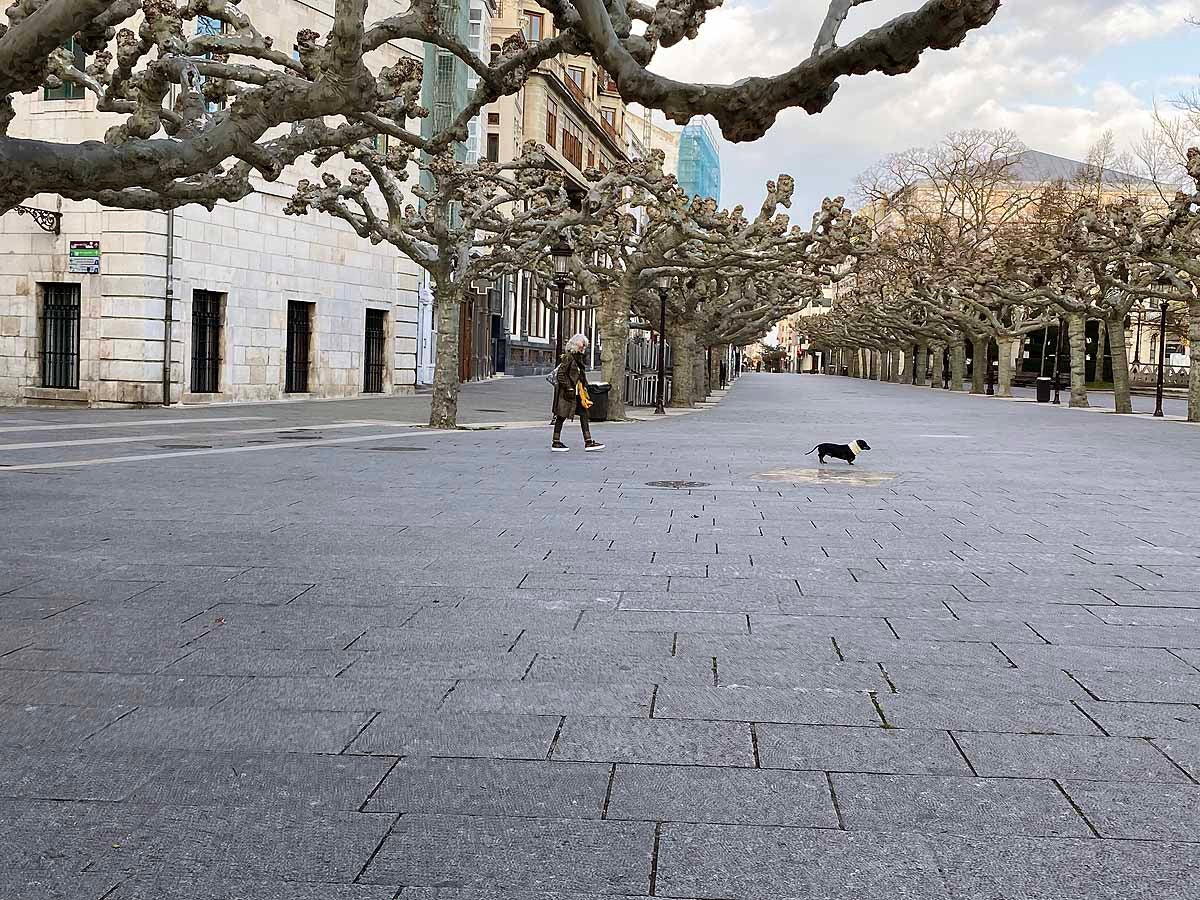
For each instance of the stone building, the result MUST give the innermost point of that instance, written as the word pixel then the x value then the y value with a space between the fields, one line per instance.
pixel 257 305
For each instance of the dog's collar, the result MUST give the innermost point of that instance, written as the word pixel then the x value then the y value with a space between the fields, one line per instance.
pixel 854 448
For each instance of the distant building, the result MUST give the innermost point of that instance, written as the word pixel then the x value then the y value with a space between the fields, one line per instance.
pixel 644 136
pixel 699 170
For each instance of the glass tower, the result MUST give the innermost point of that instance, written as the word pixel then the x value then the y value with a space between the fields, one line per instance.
pixel 699 162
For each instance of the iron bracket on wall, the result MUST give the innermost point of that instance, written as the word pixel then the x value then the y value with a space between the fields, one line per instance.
pixel 47 220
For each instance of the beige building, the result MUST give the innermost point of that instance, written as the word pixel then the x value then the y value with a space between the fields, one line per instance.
pixel 571 107
pixel 257 305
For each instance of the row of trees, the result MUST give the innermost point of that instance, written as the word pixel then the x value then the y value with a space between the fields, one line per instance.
pixel 978 242
pixel 199 115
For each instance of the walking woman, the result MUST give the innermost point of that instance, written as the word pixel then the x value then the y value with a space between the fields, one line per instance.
pixel 571 396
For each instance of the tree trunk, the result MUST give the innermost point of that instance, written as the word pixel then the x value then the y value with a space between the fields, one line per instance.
pixel 979 361
pixel 939 364
pixel 1120 364
pixel 613 313
pixel 1193 413
pixel 958 365
pixel 443 405
pixel 1077 337
pixel 700 374
pixel 1098 368
pixel 876 362
pixel 922 362
pixel 714 369
pixel 1005 349
pixel 683 367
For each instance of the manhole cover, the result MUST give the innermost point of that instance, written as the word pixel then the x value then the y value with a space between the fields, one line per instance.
pixel 678 484
pixel 826 476
pixel 184 446
pixel 396 449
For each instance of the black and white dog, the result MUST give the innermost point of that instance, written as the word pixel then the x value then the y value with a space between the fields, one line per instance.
pixel 840 451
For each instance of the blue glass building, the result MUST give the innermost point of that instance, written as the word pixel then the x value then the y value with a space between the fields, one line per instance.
pixel 699 163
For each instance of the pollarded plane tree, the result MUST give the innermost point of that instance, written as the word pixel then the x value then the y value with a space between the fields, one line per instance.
pixel 158 78
pixel 941 207
pixel 1152 254
pixel 461 223
pixel 744 264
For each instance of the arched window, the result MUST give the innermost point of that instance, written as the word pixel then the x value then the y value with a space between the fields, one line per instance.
pixel 495 53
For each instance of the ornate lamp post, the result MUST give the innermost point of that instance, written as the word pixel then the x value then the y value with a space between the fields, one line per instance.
pixel 561 253
pixel 1057 352
pixel 662 283
pixel 1162 358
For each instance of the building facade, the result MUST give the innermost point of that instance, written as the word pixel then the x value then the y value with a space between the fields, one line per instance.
pixel 243 303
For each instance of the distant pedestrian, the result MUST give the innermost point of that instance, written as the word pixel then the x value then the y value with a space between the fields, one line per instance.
pixel 724 374
pixel 571 395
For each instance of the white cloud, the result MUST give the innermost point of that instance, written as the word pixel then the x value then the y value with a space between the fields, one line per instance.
pixel 1026 71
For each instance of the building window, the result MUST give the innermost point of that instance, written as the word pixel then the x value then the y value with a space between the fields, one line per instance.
pixel 606 82
pixel 493 146
pixel 532 27
pixel 551 122
pixel 375 351
pixel 591 154
pixel 206 342
pixel 572 143
pixel 493 118
pixel 60 336
pixel 576 74
pixel 299 340
pixel 69 90
pixel 609 116
pixel 206 25
pixel 495 53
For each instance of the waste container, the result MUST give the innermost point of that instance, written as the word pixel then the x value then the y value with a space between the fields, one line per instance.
pixel 599 394
pixel 1043 390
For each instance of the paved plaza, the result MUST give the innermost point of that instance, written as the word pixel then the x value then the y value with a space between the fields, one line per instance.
pixel 308 651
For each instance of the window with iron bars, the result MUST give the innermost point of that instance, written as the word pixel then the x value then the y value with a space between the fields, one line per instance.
pixel 206 341
pixel 60 335
pixel 375 351
pixel 299 341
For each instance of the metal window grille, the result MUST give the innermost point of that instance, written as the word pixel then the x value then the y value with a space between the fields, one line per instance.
pixel 206 342
pixel 299 337
pixel 375 354
pixel 60 336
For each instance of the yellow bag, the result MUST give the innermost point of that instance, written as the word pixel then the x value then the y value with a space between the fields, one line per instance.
pixel 584 400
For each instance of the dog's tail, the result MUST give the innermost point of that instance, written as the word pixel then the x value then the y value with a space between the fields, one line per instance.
pixel 810 451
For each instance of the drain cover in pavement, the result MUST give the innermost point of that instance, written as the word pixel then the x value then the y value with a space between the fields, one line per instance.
pixel 677 484
pixel 826 476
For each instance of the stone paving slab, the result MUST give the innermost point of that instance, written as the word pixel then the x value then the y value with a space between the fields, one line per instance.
pixel 870 749
pixel 519 854
pixel 491 735
pixel 722 796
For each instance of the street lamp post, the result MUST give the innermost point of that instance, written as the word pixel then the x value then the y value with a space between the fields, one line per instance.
pixel 662 282
pixel 561 253
pixel 991 373
pixel 1162 358
pixel 1057 352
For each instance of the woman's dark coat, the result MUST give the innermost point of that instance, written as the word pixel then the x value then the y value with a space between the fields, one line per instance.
pixel 569 373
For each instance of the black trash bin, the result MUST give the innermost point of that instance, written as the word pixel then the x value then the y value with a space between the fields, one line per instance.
pixel 598 392
pixel 1043 390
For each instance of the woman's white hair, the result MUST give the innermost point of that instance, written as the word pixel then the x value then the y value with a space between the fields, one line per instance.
pixel 578 343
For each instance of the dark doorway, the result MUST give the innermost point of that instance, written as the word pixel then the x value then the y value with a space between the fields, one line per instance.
pixel 299 341
pixel 375 352
pixel 60 336
pixel 206 342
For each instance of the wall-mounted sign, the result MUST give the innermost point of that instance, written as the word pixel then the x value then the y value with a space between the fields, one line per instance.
pixel 84 257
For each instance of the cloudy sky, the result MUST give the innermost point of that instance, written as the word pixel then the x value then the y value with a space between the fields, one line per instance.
pixel 1058 72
